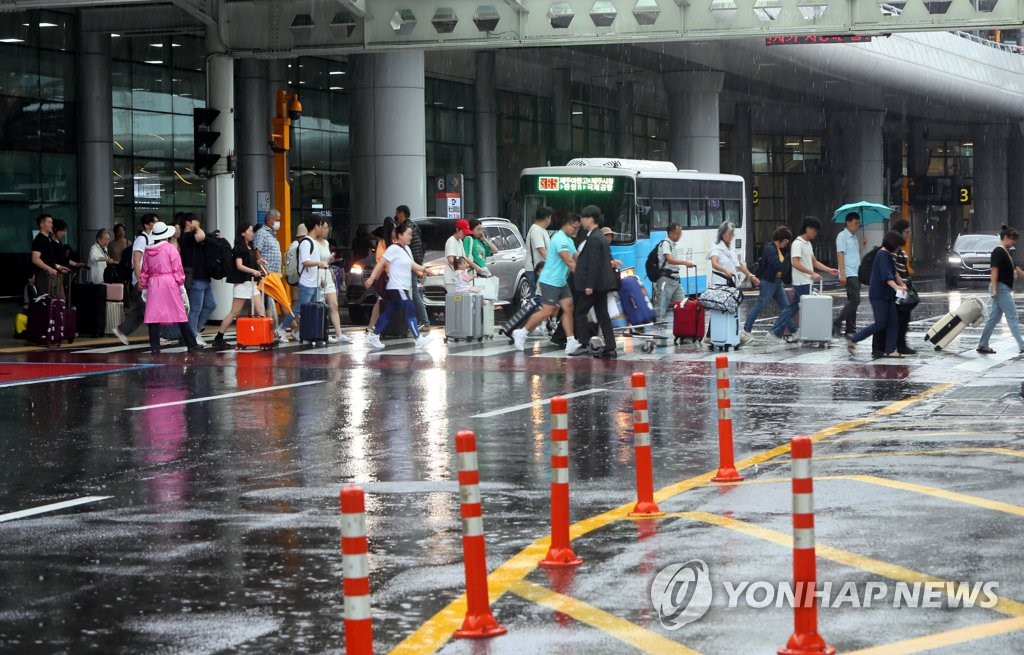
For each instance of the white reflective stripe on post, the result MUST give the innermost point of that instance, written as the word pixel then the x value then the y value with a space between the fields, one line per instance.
pixel 803 538
pixel 467 461
pixel 560 476
pixel 559 448
pixel 473 527
pixel 353 525
pixel 725 414
pixel 803 503
pixel 723 394
pixel 559 421
pixel 642 439
pixel 801 469
pixel 640 393
pixel 355 566
pixel 469 494
pixel 640 416
pixel 357 608
pixel 722 373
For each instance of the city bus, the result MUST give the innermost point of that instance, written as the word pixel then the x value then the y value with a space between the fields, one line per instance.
pixel 638 200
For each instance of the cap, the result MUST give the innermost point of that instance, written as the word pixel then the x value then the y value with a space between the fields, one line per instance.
pixel 607 231
pixel 463 225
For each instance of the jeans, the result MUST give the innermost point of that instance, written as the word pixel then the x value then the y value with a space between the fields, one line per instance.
pixel 201 304
pixel 669 291
pixel 394 300
pixel 421 308
pixel 786 315
pixel 884 311
pixel 306 294
pixel 767 292
pixel 849 311
pixel 1002 304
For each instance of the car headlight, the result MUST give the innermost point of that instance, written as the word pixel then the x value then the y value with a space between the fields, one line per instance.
pixel 356 269
pixel 953 259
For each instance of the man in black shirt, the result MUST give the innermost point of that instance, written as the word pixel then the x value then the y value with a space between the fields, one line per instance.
pixel 44 257
pixel 201 300
pixel 1001 289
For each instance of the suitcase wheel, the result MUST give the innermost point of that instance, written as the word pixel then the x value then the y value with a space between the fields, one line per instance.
pixel 480 340
pixel 446 339
pixel 938 348
pixel 647 347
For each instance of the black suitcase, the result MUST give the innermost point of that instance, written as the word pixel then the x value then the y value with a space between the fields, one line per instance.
pixel 313 323
pixel 519 318
pixel 91 302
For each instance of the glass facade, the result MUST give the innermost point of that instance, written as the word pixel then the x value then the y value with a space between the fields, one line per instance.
pixel 38 165
pixel 157 81
pixel 785 172
pixel 451 136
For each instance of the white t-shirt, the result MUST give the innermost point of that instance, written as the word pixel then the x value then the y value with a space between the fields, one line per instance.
pixel 536 238
pixel 309 251
pixel 802 248
pixel 399 259
pixel 726 259
pixel 453 248
pixel 97 263
pixel 673 249
pixel 139 245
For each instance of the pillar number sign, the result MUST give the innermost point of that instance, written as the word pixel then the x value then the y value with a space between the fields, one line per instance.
pixel 448 199
pixel 965 194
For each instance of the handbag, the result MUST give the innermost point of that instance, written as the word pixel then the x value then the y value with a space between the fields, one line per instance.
pixel 913 299
pixel 721 299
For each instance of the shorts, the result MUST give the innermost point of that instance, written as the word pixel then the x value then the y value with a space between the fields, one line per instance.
pixel 550 295
pixel 245 291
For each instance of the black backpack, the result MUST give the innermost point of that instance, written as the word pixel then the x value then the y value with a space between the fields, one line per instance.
pixel 652 266
pixel 866 262
pixel 219 260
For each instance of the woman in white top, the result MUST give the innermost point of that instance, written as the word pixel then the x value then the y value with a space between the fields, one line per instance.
pixel 99 257
pixel 331 292
pixel 400 265
pixel 724 265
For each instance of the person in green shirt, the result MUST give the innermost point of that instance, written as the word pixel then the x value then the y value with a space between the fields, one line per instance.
pixel 478 247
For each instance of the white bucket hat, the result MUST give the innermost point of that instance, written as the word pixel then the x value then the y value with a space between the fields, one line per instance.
pixel 161 232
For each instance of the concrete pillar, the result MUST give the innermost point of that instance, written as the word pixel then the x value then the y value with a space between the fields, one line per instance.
pixel 561 110
pixel 95 134
pixel 1015 174
pixel 389 156
pixel 220 188
pixel 859 142
pixel 740 149
pixel 487 194
pixel 991 191
pixel 625 146
pixel 693 118
pixel 254 130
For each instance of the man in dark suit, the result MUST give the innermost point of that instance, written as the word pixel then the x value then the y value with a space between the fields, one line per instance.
pixel 593 280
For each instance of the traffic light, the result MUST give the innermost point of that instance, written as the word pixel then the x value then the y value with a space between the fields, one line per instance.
pixel 205 137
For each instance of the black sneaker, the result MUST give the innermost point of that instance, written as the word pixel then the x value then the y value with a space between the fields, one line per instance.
pixel 609 354
pixel 219 344
pixel 579 352
pixel 985 350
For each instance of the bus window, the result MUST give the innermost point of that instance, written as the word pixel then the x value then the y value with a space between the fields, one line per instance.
pixel 715 212
pixel 659 215
pixel 698 213
pixel 733 213
pixel 680 214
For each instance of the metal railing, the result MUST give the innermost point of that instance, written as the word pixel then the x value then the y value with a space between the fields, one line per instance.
pixel 892 10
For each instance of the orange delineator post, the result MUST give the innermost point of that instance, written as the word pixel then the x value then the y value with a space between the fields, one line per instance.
pixel 356 573
pixel 726 466
pixel 805 639
pixel 479 621
pixel 560 553
pixel 645 506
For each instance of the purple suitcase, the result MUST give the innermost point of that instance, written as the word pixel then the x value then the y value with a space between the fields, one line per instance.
pixel 47 317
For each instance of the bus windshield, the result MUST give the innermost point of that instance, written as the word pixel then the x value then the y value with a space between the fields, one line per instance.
pixel 568 194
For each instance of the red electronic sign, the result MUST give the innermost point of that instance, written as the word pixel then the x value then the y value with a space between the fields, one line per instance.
pixel 547 184
pixel 816 38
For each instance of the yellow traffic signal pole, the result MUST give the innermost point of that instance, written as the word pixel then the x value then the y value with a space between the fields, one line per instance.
pixel 288 109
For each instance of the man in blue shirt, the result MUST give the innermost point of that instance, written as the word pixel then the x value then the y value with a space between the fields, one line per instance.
pixel 553 286
pixel 848 246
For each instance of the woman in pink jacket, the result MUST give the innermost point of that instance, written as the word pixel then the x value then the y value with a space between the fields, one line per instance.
pixel 163 286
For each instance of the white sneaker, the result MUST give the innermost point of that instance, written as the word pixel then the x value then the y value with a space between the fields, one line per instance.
pixel 343 338
pixel 332 339
pixel 120 336
pixel 745 338
pixel 282 336
pixel 519 338
pixel 202 342
pixel 168 342
pixel 572 345
pixel 422 342
pixel 373 340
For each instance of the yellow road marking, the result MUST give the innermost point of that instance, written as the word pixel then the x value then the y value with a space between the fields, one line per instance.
pixel 925 435
pixel 433 634
pixel 944 639
pixel 623 630
pixel 839 556
pixel 915 453
pixel 976 501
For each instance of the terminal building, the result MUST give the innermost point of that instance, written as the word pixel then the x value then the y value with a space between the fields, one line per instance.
pixel 97 105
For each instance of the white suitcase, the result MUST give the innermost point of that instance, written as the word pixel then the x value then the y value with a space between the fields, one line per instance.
pixel 816 317
pixel 487 319
pixel 115 314
pixel 971 312
pixel 725 330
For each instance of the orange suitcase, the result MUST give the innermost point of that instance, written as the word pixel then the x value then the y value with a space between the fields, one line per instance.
pixel 255 332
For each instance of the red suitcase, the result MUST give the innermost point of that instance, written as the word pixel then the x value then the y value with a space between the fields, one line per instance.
pixel 687 321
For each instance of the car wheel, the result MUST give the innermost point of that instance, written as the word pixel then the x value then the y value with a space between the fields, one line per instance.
pixel 358 314
pixel 522 292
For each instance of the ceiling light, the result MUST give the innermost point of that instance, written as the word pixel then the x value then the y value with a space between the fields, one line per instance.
pixel 12 40
pixel 560 15
pixel 175 45
pixel 336 73
pixel 577 113
pixel 460 107
pixel 153 61
pixel 156 45
pixel 403 21
pixel 336 88
pixel 486 18
pixel 444 20
pixel 114 36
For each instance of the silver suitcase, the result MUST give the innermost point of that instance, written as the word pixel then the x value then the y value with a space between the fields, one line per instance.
pixel 115 315
pixel 463 316
pixel 724 328
pixel 487 319
pixel 816 317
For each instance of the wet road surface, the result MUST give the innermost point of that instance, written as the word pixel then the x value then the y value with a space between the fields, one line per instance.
pixel 210 485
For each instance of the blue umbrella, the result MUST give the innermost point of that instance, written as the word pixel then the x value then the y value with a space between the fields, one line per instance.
pixel 869 212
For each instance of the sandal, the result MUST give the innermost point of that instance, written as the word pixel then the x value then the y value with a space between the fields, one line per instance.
pixel 894 355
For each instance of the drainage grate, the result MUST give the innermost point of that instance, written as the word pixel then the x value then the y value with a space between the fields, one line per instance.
pixel 989 392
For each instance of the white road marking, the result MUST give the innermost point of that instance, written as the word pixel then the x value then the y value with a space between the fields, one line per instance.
pixel 43 509
pixel 63 378
pixel 516 408
pixel 225 395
